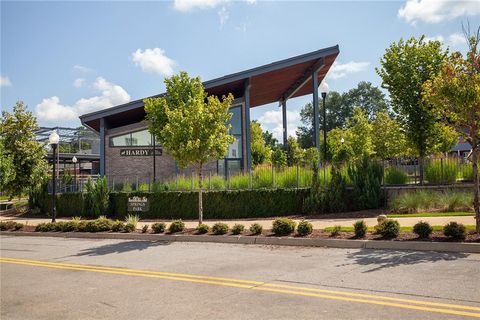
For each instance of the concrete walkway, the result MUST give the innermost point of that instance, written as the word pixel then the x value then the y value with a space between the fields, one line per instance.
pixel 267 223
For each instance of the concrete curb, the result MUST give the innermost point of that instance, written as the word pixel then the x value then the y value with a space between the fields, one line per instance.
pixel 287 241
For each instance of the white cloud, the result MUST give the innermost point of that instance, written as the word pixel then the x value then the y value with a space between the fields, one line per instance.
pixel 340 70
pixel 223 15
pixel 153 60
pixel 188 5
pixel 435 11
pixel 51 110
pixel 5 81
pixel 81 69
pixel 78 83
pixel 435 38
pixel 456 39
pixel 273 122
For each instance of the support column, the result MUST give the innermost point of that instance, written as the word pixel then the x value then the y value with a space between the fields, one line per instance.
pixel 316 119
pixel 247 125
pixel 102 147
pixel 284 118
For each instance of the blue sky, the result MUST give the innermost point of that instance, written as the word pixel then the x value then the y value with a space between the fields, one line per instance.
pixel 68 58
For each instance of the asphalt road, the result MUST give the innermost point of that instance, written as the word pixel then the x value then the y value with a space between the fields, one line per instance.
pixel 54 278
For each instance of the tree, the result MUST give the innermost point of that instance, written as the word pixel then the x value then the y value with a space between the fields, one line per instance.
pixel 405 67
pixel 455 95
pixel 279 158
pixel 259 149
pixel 294 152
pixel 19 147
pixel 190 125
pixel 388 138
pixel 371 99
pixel 270 141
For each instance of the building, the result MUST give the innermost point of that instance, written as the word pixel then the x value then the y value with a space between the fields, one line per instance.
pixel 126 146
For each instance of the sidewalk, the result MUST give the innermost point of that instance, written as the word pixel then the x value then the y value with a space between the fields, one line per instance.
pixel 267 223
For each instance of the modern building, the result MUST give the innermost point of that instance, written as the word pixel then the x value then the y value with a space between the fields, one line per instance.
pixel 126 146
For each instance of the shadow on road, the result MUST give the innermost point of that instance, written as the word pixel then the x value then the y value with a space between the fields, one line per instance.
pixel 121 247
pixel 380 259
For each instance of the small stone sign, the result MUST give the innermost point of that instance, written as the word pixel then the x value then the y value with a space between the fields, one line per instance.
pixel 137 204
pixel 139 152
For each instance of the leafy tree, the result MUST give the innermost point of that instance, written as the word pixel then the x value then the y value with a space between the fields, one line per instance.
pixel 261 152
pixel 279 158
pixel 405 67
pixel 294 152
pixel 388 138
pixel 361 133
pixel 340 145
pixel 191 125
pixel 455 95
pixel 368 97
pixel 270 141
pixel 7 169
pixel 445 138
pixel 17 135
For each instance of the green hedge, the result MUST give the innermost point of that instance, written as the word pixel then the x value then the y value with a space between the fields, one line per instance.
pixel 68 204
pixel 216 204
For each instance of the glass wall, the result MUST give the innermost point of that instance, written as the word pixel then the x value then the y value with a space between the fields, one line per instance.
pixel 141 138
pixel 232 163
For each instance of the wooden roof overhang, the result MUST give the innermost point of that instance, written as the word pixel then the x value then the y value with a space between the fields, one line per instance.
pixel 277 81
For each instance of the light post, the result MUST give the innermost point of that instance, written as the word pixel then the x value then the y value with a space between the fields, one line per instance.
pixel 74 160
pixel 324 91
pixel 54 139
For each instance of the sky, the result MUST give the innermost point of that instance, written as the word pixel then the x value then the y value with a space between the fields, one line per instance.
pixel 65 59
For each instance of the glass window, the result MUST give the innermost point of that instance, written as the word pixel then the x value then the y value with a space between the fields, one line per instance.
pixel 235 149
pixel 121 141
pixel 141 138
pixel 236 120
pixel 234 167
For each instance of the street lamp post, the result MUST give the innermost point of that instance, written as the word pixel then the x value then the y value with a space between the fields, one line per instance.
pixel 324 91
pixel 54 139
pixel 74 160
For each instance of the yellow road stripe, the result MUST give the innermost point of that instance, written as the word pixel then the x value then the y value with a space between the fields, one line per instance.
pixel 255 285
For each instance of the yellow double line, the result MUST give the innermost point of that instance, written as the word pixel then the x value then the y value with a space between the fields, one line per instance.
pixel 446 308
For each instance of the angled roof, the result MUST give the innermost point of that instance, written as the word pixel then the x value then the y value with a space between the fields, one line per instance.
pixel 269 83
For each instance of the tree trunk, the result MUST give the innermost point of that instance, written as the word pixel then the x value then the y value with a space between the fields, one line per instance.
pixel 420 167
pixel 476 184
pixel 200 188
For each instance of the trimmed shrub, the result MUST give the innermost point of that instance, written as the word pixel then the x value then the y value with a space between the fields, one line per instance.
pixel 389 228
pixel 423 229
pixel 18 226
pixel 129 227
pixel 455 230
pixel 395 176
pixel 103 224
pixel 304 228
pixel 117 226
pixel 336 231
pixel 7 225
pixel 203 228
pixel 256 229
pixel 283 226
pixel 145 228
pixel 176 226
pixel 45 227
pixel 237 228
pixel 360 229
pixel 366 176
pixel 159 227
pixel 91 226
pixel 220 228
pixel 82 226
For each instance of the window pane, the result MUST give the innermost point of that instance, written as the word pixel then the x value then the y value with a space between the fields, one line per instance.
pixel 235 149
pixel 233 167
pixel 121 141
pixel 236 120
pixel 141 138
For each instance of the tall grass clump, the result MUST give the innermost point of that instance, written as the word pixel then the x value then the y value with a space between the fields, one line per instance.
pixel 411 202
pixel 441 171
pixel 262 177
pixel 456 201
pixel 395 176
pixel 216 183
pixel 239 182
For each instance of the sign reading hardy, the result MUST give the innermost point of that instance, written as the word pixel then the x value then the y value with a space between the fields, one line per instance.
pixel 137 204
pixel 139 152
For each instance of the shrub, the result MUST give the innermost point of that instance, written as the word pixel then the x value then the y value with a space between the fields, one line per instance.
pixel 360 229
pixel 455 230
pixel 117 226
pixel 129 227
pixel 441 171
pixel 45 227
pixel 91 226
pixel 389 228
pixel 395 176
pixel 176 226
pixel 304 228
pixel 145 228
pixel 103 224
pixel 237 228
pixel 283 226
pixel 336 193
pixel 256 228
pixel 96 197
pixel 132 219
pixel 7 225
pixel 453 201
pixel 18 226
pixel 220 228
pixel 336 231
pixel 159 227
pixel 423 229
pixel 366 176
pixel 203 228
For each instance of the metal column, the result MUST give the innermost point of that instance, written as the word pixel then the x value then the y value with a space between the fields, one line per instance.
pixel 247 125
pixel 284 118
pixel 102 147
pixel 316 134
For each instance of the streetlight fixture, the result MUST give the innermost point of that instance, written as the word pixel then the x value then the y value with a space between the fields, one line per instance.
pixel 74 160
pixel 342 140
pixel 53 139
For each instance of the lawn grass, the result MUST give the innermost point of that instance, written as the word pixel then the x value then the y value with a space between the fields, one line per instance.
pixel 430 214
pixel 403 229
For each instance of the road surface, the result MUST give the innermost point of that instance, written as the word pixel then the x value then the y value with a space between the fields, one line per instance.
pixel 55 278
